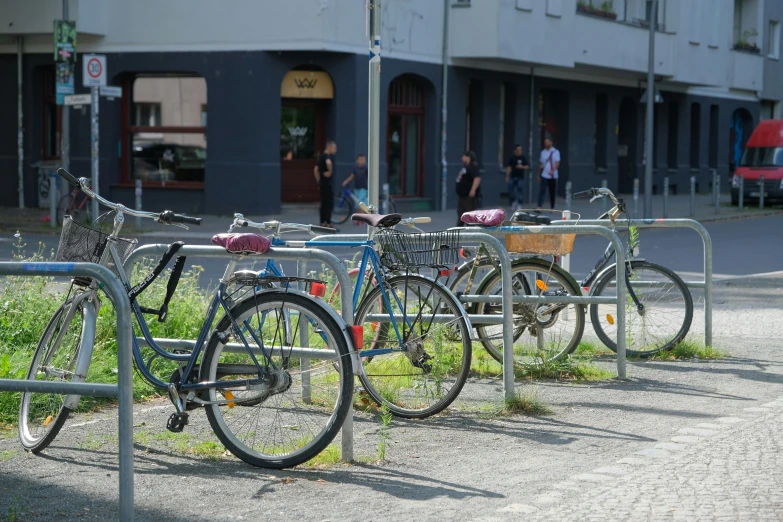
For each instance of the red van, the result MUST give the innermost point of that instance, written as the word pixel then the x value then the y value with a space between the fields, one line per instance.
pixel 763 155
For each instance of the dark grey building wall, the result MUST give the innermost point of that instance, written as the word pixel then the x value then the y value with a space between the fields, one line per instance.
pixel 773 69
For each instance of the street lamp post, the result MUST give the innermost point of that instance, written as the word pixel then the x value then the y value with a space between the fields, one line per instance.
pixel 650 119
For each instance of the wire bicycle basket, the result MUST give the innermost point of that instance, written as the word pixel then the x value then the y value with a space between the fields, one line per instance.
pixel 81 244
pixel 401 251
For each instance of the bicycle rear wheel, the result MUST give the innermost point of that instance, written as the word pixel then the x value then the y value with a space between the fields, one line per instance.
pixel 342 209
pixel 664 317
pixel 302 403
pixel 423 372
pixel 42 415
pixel 541 331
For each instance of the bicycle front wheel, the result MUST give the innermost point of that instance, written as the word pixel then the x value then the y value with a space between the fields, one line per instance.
pixel 42 415
pixel 342 209
pixel 659 321
pixel 543 331
pixel 288 411
pixel 418 368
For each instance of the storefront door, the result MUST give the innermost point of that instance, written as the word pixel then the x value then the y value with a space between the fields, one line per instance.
pixel 301 141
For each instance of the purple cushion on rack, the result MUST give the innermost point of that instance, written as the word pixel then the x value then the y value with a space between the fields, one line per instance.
pixel 242 243
pixel 487 218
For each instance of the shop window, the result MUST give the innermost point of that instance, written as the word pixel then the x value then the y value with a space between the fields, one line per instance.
pixel 713 152
pixel 165 139
pixel 695 136
pixel 601 129
pixel 51 127
pixel 673 134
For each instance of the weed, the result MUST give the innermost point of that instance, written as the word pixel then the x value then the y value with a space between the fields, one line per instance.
pixel 527 402
pixel 690 350
pixel 383 433
pixel 590 349
pixel 7 455
pixel 572 368
pixel 328 457
pixel 208 450
pixel 15 509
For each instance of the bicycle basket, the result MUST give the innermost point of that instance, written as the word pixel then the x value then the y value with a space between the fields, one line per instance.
pixel 81 244
pixel 401 251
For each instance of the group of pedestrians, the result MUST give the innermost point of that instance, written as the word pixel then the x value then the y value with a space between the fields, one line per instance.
pixel 469 179
pixel 324 176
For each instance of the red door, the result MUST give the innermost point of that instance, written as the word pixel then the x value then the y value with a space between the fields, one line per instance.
pixel 301 141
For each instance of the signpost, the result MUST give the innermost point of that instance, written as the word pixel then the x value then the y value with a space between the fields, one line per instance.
pixel 94 77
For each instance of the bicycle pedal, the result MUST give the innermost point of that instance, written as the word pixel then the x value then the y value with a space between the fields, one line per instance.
pixel 177 422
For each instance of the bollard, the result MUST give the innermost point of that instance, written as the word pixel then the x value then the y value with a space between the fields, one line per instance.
pixel 714 186
pixel 53 198
pixel 604 184
pixel 761 192
pixel 666 197
pixel 635 197
pixel 717 193
pixel 692 209
pixel 741 199
pixel 568 198
pixel 138 204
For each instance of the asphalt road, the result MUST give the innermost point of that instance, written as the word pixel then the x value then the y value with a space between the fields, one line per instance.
pixel 741 247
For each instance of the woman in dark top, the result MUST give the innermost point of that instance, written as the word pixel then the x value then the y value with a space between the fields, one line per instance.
pixel 468 185
pixel 323 176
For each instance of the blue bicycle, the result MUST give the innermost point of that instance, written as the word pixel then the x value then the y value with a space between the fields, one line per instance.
pixel 417 350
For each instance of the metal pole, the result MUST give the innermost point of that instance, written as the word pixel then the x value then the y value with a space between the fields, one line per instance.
pixel 741 193
pixel 20 123
pixel 374 109
pixel 692 209
pixel 444 109
pixel 714 186
pixel 567 198
pixel 65 137
pixel 666 197
pixel 761 192
pixel 649 135
pixel 530 139
pixel 304 340
pixel 94 140
pixel 636 197
pixel 717 193
pixel 138 204
pixel 53 198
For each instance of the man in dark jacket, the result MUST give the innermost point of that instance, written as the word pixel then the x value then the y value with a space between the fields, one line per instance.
pixel 323 176
pixel 468 185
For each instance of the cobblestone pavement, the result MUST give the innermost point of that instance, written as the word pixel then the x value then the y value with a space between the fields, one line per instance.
pixel 730 469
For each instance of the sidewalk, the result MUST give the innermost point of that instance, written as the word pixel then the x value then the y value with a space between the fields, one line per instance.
pixel 29 220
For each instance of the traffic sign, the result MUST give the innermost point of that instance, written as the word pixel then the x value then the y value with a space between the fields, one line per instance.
pixel 78 99
pixel 94 70
pixel 111 92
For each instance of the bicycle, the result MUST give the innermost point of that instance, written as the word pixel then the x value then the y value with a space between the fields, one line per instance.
pixel 417 350
pixel 673 299
pixel 266 407
pixel 345 204
pixel 74 204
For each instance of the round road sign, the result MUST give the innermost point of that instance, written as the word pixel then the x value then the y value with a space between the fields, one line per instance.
pixel 94 68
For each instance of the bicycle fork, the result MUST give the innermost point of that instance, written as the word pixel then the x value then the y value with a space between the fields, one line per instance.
pixel 86 341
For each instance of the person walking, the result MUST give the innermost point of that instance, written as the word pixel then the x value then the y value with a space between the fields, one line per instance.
pixel 468 185
pixel 548 165
pixel 323 172
pixel 515 178
pixel 359 178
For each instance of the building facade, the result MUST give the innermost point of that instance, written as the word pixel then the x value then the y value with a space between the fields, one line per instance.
pixel 226 105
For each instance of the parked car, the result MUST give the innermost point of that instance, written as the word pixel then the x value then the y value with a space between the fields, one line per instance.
pixel 168 162
pixel 763 155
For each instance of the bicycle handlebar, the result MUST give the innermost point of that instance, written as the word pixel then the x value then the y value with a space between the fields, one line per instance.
pixel 167 217
pixel 280 228
pixel 596 193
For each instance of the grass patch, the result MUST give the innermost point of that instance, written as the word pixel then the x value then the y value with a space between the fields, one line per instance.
pixel 526 403
pixel 689 350
pixel 7 455
pixel 328 457
pixel 572 368
pixel 591 349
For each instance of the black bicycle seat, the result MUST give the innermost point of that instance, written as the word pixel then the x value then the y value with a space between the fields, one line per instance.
pixel 527 217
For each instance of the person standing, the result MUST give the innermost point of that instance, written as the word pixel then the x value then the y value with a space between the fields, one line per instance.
pixel 468 185
pixel 323 172
pixel 359 178
pixel 515 178
pixel 548 165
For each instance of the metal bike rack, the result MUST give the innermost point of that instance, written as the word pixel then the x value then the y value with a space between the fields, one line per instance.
pixel 278 254
pixel 124 388
pixel 706 284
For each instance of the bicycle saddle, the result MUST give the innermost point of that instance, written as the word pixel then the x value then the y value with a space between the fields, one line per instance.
pixel 484 218
pixel 378 220
pixel 527 217
pixel 244 243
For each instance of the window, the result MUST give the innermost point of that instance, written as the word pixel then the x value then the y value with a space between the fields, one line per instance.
pixel 501 123
pixel 52 118
pixel 165 140
pixel 601 130
pixel 694 22
pixel 714 123
pixel 762 157
pixel 673 134
pixel 745 31
pixel 695 136
pixel 405 136
pixel 554 7
pixel 509 118
pixel 773 50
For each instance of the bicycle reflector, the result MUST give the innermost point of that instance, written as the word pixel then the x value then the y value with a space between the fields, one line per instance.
pixel 445 272
pixel 317 289
pixel 230 398
pixel 358 336
pixel 609 319
pixel 541 285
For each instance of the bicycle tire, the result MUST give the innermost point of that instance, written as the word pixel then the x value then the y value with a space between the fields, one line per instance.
pixel 598 317
pixel 280 456
pixel 444 366
pixel 458 283
pixel 342 209
pixel 491 336
pixel 49 409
